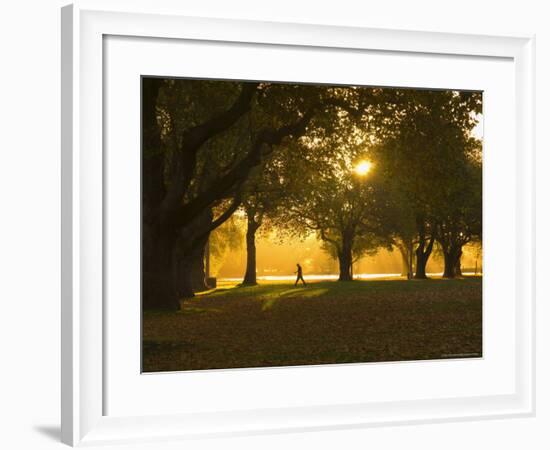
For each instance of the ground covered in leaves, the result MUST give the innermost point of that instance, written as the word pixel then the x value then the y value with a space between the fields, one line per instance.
pixel 323 323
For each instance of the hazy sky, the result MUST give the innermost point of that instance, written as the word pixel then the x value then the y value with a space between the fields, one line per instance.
pixel 478 129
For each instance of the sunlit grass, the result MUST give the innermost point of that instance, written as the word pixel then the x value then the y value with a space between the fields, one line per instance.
pixel 190 309
pixel 265 289
pixel 272 297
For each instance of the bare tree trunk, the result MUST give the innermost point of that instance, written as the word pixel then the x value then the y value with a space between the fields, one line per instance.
pixel 451 257
pixel 198 272
pixel 345 258
pixel 185 278
pixel 458 267
pixel 250 272
pixel 423 252
pixel 404 262
pixel 406 251
pixel 450 264
pixel 158 288
pixel 345 267
pixel 190 275
pixel 410 251
pixel 158 243
pixel 207 259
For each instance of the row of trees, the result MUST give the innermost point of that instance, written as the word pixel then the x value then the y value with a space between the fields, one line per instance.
pixel 285 154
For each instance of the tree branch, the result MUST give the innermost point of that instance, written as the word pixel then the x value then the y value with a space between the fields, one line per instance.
pixel 218 221
pixel 185 214
pixel 193 139
pixel 325 238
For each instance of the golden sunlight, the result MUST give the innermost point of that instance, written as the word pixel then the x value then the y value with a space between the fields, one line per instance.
pixel 362 168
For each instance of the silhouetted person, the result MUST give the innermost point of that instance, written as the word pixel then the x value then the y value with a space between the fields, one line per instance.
pixel 299 275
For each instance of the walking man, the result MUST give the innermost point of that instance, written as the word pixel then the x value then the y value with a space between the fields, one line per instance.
pixel 299 275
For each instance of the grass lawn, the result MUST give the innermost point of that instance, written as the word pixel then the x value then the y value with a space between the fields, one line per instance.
pixel 325 322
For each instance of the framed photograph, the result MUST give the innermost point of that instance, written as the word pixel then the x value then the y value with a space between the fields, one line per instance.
pixel 275 227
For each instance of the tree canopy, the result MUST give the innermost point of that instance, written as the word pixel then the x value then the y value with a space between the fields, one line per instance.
pixel 362 167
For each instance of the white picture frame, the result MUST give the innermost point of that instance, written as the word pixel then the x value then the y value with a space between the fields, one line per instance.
pixel 84 28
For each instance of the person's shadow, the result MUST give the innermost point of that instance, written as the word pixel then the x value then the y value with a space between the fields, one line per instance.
pixel 50 431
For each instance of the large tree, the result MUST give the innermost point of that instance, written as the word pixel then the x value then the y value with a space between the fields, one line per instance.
pixel 341 204
pixel 344 210
pixel 418 148
pixel 201 140
pixel 170 160
pixel 460 216
pixel 264 193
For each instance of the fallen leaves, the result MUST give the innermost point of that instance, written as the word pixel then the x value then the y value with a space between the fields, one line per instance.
pixel 324 323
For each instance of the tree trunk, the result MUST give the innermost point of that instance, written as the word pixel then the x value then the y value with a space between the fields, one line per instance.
pixel 207 259
pixel 423 253
pixel 345 267
pixel 406 252
pixel 450 265
pixel 458 267
pixel 411 256
pixel 421 262
pixel 250 272
pixel 158 287
pixel 198 272
pixel 345 259
pixel 190 274
pixel 185 278
pixel 158 244
pixel 153 189
pixel 191 277
pixel 404 263
pixel 452 261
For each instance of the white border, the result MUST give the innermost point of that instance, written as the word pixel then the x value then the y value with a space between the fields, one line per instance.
pixel 131 393
pixel 82 220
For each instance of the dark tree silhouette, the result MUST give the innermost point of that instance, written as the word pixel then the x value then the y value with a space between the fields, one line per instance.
pixel 460 217
pixel 165 212
pixel 420 149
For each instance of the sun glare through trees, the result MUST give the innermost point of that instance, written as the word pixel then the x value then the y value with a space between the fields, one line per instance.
pixel 363 167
